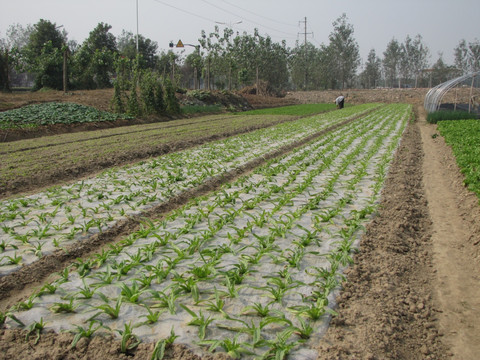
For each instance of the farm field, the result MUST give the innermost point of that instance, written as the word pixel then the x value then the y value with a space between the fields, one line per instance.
pixel 252 267
pixel 84 153
pixel 63 214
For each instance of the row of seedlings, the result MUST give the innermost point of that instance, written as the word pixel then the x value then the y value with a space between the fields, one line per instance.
pixel 33 226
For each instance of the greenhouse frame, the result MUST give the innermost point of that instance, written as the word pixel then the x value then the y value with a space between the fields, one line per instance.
pixel 462 93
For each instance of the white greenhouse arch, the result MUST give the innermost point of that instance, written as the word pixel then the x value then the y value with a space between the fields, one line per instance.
pixel 466 94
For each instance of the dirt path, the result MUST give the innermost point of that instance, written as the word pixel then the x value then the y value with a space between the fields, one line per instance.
pixel 455 216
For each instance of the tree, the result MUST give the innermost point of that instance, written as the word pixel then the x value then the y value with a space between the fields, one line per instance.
pixel 441 72
pixel 419 56
pixel 94 61
pixel 171 103
pixel 413 58
pixel 193 67
pixel 43 55
pixel 297 63
pixel 257 59
pixel 319 62
pixel 147 49
pixel 42 32
pixel 17 36
pixel 208 48
pixel 274 64
pixel 391 61
pixel 247 56
pixel 461 56
pixel 164 64
pixel 344 51
pixel 12 47
pixel 220 61
pixel 370 77
pixel 467 57
pixel 4 79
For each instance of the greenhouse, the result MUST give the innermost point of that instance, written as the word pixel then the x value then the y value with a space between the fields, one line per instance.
pixel 462 93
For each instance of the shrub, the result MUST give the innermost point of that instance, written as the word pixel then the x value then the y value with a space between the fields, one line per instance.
pixel 117 102
pixel 141 92
pixel 160 106
pixel 147 92
pixel 202 95
pixel 173 107
pixel 133 108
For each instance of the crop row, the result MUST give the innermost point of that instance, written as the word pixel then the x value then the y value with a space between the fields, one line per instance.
pixel 40 224
pixel 27 162
pixel 151 131
pixel 250 269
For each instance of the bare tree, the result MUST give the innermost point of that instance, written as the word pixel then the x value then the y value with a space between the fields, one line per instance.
pixel 391 61
pixel 414 58
pixel 372 73
pixel 344 50
pixel 467 56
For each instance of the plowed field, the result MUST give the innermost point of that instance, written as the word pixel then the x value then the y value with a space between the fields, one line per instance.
pixel 279 204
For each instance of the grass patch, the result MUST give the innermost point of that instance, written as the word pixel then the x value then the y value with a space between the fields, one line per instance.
pixel 442 115
pixel 300 110
pixel 54 113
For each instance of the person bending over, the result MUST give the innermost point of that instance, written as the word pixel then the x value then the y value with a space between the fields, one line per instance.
pixel 340 102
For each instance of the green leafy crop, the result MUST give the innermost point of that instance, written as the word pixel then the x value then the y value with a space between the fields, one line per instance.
pixel 464 138
pixel 54 113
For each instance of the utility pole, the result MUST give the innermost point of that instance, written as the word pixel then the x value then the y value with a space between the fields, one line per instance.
pixel 65 55
pixel 305 33
pixel 137 28
pixel 65 78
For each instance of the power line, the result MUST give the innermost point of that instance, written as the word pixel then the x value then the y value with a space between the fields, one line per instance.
pixel 261 16
pixel 243 18
pixel 185 11
pixel 214 21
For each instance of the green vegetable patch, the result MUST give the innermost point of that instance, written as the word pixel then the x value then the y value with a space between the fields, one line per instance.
pixel 54 113
pixel 464 138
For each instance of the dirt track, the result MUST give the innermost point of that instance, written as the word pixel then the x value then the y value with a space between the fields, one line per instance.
pixel 413 291
pixel 455 213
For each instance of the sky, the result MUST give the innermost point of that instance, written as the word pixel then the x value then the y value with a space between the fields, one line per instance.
pixel 441 23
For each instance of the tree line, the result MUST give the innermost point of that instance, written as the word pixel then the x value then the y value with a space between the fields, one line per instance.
pixel 42 54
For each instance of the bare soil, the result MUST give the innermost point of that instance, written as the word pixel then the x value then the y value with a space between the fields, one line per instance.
pixel 413 290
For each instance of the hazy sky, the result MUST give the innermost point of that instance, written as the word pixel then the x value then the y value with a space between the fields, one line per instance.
pixel 442 23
